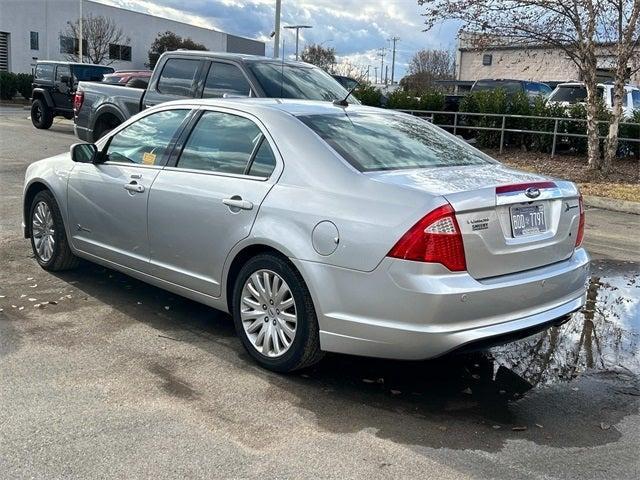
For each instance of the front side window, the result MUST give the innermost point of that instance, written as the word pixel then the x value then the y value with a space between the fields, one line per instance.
pixel 391 141
pixel 146 141
pixel 177 77
pixel 44 71
pixel 294 81
pixel 222 142
pixel 224 78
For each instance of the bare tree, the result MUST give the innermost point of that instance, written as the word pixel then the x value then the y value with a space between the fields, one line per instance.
pixel 351 70
pixel 427 66
pixel 323 57
pixel 579 28
pixel 98 34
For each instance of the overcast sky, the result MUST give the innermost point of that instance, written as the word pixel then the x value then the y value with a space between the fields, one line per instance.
pixel 355 28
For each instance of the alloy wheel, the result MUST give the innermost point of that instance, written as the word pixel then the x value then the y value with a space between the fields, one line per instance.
pixel 268 313
pixel 43 231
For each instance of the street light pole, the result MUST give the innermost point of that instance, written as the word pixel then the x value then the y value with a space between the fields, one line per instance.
pixel 80 39
pixel 297 29
pixel 276 39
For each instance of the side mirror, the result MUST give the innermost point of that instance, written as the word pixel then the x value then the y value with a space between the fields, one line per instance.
pixel 84 152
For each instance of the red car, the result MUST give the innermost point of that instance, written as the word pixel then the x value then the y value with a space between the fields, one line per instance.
pixel 129 78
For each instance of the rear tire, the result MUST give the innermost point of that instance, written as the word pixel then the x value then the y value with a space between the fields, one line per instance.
pixel 41 115
pixel 304 349
pixel 48 236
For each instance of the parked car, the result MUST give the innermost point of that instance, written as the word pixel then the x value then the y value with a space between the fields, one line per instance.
pixel 54 86
pixel 571 93
pixel 195 74
pixel 532 89
pixel 129 78
pixel 319 227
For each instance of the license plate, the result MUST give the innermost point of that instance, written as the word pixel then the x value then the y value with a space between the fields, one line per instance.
pixel 528 220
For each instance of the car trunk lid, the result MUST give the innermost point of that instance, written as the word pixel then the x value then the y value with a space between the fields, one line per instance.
pixel 510 221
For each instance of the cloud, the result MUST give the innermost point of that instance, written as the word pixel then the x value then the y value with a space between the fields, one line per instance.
pixel 356 29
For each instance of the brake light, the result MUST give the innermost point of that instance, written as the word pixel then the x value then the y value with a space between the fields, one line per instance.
pixel 78 99
pixel 436 238
pixel 580 235
pixel 521 187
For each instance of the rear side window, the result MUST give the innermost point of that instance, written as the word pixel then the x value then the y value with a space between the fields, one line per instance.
pixel 388 141
pixel 572 94
pixel 221 142
pixel 263 162
pixel 147 140
pixel 506 85
pixel 224 78
pixel 62 71
pixel 177 77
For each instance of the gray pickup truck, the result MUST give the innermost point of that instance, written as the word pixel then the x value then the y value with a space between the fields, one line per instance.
pixel 100 107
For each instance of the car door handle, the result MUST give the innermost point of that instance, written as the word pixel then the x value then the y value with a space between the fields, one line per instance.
pixel 134 187
pixel 237 202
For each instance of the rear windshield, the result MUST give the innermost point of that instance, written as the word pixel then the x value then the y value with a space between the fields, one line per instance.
pixel 291 81
pixel 572 94
pixel 508 85
pixel 90 73
pixel 391 141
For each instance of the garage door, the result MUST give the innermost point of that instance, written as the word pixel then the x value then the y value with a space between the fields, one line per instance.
pixel 4 52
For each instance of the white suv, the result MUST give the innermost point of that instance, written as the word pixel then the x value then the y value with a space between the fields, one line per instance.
pixel 575 92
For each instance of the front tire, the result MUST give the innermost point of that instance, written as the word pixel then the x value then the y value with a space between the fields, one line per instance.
pixel 41 115
pixel 274 315
pixel 48 236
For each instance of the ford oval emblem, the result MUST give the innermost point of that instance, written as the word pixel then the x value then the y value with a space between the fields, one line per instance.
pixel 532 192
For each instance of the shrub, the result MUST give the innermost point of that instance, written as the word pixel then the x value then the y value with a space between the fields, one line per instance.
pixel 403 101
pixel 368 95
pixel 485 101
pixel 8 85
pixel 24 81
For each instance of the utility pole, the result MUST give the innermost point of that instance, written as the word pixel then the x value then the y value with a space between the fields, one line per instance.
pixel 386 74
pixel 381 53
pixel 393 58
pixel 297 29
pixel 80 39
pixel 276 38
pixel 375 74
pixel 368 68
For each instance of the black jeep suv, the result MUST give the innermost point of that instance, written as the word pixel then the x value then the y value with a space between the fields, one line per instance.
pixel 54 85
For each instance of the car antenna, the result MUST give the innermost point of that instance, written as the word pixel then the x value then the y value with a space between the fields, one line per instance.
pixel 343 102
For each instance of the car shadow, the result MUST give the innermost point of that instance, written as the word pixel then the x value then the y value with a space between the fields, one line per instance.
pixel 471 401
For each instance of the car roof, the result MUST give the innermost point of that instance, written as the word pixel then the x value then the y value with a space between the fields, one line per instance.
pixel 244 57
pixel 294 107
pixel 603 85
pixel 59 62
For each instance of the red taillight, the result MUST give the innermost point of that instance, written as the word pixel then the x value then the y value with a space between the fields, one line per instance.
pixel 78 98
pixel 580 235
pixel 436 238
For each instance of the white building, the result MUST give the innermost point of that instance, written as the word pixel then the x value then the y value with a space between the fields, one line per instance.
pixel 32 30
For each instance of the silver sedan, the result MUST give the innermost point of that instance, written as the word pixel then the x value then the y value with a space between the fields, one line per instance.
pixel 319 227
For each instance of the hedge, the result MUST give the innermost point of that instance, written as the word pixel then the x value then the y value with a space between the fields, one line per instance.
pixel 12 83
pixel 500 102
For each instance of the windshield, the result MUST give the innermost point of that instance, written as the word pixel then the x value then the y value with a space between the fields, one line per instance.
pixel 293 81
pixel 85 73
pixel 391 141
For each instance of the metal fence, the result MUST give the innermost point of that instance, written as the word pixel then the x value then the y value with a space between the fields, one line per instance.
pixel 558 123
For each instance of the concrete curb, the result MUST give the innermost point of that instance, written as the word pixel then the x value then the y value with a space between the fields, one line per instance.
pixel 612 204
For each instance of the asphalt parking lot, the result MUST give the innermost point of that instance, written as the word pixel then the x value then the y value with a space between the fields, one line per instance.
pixel 102 376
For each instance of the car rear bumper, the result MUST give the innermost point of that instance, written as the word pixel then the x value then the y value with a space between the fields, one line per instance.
pixel 410 310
